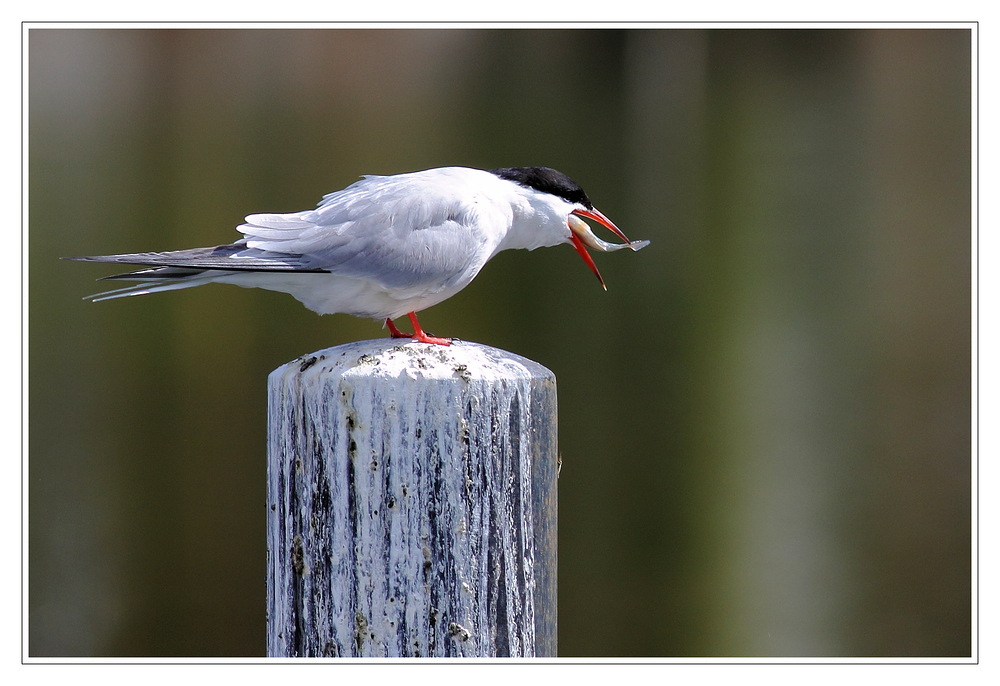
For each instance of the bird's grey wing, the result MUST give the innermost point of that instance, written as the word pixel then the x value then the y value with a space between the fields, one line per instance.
pixel 400 236
pixel 427 259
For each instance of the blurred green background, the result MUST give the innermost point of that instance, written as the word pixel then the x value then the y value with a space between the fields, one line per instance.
pixel 764 424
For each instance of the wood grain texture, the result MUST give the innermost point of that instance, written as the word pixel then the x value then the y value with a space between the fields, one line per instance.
pixel 412 503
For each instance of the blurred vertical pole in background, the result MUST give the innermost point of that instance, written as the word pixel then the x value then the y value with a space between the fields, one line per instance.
pixel 666 140
pixel 780 338
pixel 914 530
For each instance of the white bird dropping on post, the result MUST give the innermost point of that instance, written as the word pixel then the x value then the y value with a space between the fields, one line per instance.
pixel 387 246
pixel 411 503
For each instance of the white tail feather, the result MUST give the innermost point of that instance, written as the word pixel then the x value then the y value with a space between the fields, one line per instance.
pixel 146 289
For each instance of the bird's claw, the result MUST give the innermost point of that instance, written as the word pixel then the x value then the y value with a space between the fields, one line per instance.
pixel 418 335
pixel 425 338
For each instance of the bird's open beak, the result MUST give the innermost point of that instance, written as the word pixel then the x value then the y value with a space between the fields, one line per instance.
pixel 580 234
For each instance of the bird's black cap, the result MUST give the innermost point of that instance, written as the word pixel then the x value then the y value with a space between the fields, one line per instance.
pixel 546 180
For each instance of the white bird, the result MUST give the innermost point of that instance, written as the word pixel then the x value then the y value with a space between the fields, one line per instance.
pixel 386 246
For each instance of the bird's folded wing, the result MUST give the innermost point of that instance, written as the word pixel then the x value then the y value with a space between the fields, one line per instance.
pixel 420 236
pixel 421 240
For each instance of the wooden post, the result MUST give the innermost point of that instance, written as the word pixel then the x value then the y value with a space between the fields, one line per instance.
pixel 411 503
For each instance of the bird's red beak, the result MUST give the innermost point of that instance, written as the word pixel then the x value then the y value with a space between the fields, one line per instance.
pixel 582 249
pixel 581 236
pixel 599 217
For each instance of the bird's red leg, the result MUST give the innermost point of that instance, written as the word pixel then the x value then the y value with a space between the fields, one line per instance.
pixel 394 332
pixel 421 337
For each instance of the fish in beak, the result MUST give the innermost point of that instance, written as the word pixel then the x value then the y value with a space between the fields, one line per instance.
pixel 582 236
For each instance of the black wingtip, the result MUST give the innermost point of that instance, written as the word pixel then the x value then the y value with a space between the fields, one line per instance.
pixel 93 258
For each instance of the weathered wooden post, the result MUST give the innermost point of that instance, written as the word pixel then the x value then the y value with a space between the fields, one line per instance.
pixel 412 503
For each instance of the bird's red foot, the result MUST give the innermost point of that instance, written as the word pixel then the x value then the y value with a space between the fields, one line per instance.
pixel 418 334
pixel 394 332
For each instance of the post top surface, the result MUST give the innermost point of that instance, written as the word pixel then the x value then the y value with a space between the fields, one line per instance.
pixel 394 358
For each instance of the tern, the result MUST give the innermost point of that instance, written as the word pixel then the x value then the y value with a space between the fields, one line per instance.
pixel 387 246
